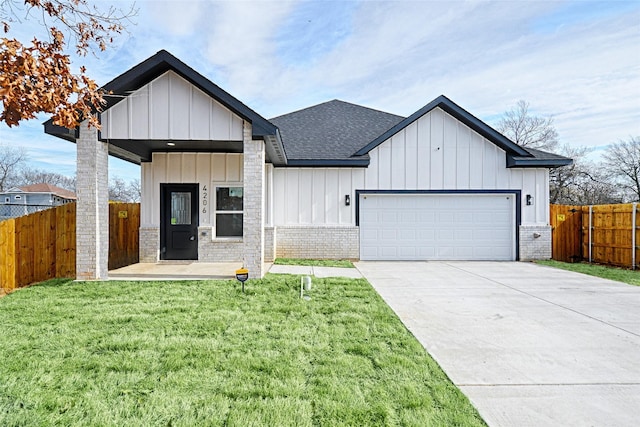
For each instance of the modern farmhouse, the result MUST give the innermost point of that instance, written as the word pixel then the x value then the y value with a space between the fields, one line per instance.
pixel 335 180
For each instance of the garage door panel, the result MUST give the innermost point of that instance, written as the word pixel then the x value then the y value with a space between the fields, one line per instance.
pixel 426 252
pixel 437 226
pixel 463 217
pixel 409 216
pixel 368 234
pixel 426 235
pixel 407 235
pixel 388 251
pixel 389 235
pixel 407 252
pixel 445 235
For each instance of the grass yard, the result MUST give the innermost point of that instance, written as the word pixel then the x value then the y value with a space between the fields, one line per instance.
pixel 203 353
pixel 612 273
pixel 315 262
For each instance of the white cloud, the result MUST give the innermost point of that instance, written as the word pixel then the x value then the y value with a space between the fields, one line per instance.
pixel 576 61
pixel 178 18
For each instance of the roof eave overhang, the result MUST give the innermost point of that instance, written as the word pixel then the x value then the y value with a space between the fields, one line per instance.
pixel 275 149
pixel 60 131
pixel 326 163
pixel 519 162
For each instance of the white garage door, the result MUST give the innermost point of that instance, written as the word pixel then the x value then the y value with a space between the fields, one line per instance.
pixel 437 227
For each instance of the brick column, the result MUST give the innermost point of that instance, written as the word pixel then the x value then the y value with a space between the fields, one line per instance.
pixel 92 218
pixel 253 200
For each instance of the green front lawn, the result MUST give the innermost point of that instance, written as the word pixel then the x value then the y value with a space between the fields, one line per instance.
pixel 612 273
pixel 203 353
pixel 315 262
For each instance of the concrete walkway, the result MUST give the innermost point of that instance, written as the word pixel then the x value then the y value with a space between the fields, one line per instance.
pixel 192 270
pixel 529 345
pixel 316 271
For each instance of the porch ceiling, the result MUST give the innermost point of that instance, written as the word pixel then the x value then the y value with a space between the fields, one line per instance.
pixel 138 151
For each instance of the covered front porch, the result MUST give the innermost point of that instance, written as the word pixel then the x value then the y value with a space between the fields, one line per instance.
pixel 177 270
pixel 204 158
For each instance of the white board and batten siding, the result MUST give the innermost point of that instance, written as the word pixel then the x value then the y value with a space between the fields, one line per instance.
pixel 436 152
pixel 170 108
pixel 315 196
pixel 205 169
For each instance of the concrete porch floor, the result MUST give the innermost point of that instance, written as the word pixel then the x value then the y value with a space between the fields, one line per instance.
pixel 178 270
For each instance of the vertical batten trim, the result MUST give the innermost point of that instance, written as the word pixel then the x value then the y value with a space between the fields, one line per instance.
pixel 417 155
pixel 169 118
pixel 129 123
pixel 442 147
pixel 404 157
pixel 110 121
pixel 150 109
pixel 190 116
pixel 210 117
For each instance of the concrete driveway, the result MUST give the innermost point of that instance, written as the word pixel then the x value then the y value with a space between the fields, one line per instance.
pixel 529 345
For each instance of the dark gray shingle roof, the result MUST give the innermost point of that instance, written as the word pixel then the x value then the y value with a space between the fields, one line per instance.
pixel 331 131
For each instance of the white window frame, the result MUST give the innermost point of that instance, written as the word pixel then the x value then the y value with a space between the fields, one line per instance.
pixel 214 200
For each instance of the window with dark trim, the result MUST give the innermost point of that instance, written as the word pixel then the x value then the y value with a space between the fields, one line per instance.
pixel 228 214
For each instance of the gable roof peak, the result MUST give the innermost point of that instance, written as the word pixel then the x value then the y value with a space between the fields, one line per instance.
pixel 460 114
pixel 517 156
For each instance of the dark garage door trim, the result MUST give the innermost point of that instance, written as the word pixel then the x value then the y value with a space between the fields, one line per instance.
pixel 517 193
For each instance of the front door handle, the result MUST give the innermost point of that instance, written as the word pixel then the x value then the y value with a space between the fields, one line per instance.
pixel 192 238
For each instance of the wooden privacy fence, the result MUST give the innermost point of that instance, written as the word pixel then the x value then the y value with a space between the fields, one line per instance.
pixel 42 245
pixel 605 234
pixel 124 232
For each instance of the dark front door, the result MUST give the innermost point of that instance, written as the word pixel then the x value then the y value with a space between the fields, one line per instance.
pixel 179 221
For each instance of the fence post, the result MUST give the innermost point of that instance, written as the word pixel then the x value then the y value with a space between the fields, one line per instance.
pixel 634 211
pixel 590 230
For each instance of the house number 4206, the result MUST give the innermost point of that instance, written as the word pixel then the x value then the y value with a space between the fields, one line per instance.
pixel 205 200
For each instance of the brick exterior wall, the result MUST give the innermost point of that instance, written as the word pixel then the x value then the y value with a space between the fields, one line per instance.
pixel 318 242
pixel 531 247
pixel 269 244
pixel 149 244
pixel 218 250
pixel 92 221
pixel 253 218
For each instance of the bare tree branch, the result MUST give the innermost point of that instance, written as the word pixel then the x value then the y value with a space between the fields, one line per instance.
pixel 526 130
pixel 622 160
pixel 11 160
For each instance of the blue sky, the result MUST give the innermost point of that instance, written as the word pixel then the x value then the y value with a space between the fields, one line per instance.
pixel 577 61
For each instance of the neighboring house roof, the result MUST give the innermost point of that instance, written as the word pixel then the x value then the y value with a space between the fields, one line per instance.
pixel 328 134
pixel 45 188
pixel 517 156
